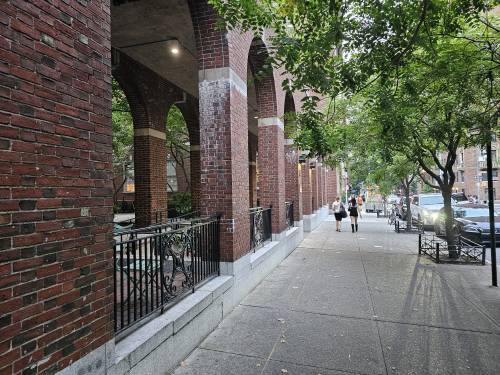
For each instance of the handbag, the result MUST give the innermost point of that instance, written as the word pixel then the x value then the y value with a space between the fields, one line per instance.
pixel 343 212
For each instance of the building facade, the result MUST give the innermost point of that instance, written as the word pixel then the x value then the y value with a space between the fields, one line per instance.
pixel 57 256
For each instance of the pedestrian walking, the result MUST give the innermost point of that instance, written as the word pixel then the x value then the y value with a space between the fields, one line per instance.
pixel 339 212
pixel 360 206
pixel 353 213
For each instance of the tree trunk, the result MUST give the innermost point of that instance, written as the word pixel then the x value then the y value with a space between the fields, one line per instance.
pixel 448 211
pixel 408 209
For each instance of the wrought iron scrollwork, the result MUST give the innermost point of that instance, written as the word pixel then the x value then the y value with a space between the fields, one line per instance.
pixel 177 246
pixel 258 228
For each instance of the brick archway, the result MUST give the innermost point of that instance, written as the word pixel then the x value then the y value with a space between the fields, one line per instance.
pixel 150 97
pixel 271 162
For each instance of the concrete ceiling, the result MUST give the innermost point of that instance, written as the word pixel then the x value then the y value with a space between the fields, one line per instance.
pixel 135 25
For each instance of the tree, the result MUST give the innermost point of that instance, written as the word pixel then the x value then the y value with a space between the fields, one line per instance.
pixel 437 103
pixel 341 46
pixel 177 138
pixel 123 138
pixel 360 146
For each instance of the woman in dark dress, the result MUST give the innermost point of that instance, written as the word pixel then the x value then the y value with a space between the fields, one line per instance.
pixel 353 213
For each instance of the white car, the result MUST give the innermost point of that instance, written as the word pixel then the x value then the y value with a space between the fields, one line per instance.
pixel 425 208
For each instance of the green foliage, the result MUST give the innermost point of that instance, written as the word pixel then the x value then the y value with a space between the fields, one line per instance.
pixel 181 202
pixel 176 131
pixel 123 127
pixel 340 47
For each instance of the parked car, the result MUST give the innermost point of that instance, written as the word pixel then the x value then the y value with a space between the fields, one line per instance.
pixel 459 198
pixel 425 208
pixel 472 221
pixel 392 199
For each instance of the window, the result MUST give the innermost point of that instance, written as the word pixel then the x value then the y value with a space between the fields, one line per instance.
pixel 431 199
pixel 494 174
pixel 461 176
pixel 486 193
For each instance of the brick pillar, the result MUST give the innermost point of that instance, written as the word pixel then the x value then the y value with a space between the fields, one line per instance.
pixel 331 185
pixel 272 170
pixel 149 97
pixel 305 172
pixel 315 187
pixel 223 132
pixel 224 165
pixel 292 179
pixel 323 185
pixel 150 176
pixel 194 160
pixel 319 167
pixel 56 193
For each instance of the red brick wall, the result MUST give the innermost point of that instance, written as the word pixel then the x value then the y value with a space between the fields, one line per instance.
pixel 272 174
pixel 293 181
pixel 331 185
pixel 55 183
pixel 306 189
pixel 315 188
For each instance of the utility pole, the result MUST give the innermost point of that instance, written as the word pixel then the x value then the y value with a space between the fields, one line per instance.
pixel 491 206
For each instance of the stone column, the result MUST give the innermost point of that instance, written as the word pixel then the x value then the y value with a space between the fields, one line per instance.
pixel 271 162
pixel 292 179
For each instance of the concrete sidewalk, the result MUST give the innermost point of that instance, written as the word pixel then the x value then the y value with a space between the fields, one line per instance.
pixel 361 303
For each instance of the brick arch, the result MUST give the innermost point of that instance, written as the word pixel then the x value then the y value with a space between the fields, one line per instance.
pixel 211 42
pixel 263 74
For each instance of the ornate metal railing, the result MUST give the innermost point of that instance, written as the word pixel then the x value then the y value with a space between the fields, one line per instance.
pixel 463 251
pixel 260 226
pixel 155 268
pixel 289 214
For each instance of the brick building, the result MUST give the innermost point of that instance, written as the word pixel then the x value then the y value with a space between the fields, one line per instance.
pixel 471 174
pixel 57 263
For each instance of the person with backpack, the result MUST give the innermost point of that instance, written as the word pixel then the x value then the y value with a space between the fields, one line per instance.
pixel 339 212
pixel 353 213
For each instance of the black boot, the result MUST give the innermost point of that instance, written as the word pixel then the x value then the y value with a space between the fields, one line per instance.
pixel 356 227
pixel 352 226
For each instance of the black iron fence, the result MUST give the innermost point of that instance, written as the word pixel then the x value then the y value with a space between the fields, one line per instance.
pixel 402 226
pixel 463 251
pixel 289 214
pixel 157 265
pixel 260 226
